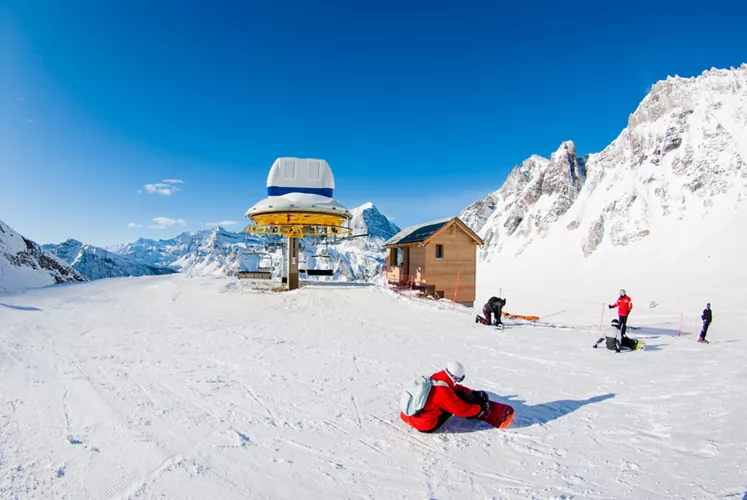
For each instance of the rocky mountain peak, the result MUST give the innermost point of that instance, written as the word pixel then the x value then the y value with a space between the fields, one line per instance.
pixel 25 264
pixel 685 147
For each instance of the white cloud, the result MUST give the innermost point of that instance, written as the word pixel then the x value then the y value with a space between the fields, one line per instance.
pixel 222 223
pixel 166 187
pixel 166 222
pixel 132 224
pixel 160 188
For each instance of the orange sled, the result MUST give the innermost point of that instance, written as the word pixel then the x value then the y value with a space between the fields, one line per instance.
pixel 519 316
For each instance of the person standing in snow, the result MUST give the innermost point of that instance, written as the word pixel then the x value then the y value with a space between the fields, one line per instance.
pixel 707 317
pixel 447 400
pixel 624 305
pixel 494 307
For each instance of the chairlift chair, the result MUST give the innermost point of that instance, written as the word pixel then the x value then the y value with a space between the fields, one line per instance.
pixel 317 272
pixel 263 271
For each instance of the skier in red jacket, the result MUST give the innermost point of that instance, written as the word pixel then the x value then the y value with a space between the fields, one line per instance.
pixel 443 402
pixel 624 305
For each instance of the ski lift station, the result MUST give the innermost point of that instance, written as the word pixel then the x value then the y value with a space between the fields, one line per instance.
pixel 299 204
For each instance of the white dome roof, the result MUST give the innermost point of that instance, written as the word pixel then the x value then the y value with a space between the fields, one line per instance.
pixel 298 202
pixel 300 175
pixel 300 185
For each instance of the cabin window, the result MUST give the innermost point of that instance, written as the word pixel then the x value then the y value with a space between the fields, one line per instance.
pixel 400 257
pixel 439 252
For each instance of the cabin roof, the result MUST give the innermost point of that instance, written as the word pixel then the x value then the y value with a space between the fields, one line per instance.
pixel 417 233
pixel 422 232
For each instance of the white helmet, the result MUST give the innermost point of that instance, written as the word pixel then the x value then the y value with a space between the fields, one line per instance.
pixel 622 292
pixel 455 370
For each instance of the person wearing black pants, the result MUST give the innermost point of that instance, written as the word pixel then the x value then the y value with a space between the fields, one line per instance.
pixel 493 308
pixel 624 305
pixel 623 321
pixel 707 317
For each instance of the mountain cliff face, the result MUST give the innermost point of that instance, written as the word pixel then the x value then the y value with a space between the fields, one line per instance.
pixel 679 167
pixel 684 145
pixel 24 264
pixel 221 252
pixel 96 263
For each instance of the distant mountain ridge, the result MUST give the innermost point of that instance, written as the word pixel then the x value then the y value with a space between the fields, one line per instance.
pixel 218 251
pixel 25 264
pixel 96 263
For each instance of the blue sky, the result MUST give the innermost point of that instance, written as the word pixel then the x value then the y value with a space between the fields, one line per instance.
pixel 419 107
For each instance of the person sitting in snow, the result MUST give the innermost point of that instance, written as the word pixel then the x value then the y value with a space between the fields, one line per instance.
pixel 494 306
pixel 615 343
pixel 707 317
pixel 445 401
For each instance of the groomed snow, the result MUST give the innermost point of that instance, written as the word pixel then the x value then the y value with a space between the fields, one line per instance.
pixel 205 388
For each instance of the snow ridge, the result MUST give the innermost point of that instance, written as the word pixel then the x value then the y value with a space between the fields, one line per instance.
pixel 25 264
pixel 96 263
pixel 685 147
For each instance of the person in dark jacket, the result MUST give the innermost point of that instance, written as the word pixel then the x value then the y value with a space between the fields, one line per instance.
pixel 494 307
pixel 707 317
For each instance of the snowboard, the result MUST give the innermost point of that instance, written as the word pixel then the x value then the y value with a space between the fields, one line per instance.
pixel 498 415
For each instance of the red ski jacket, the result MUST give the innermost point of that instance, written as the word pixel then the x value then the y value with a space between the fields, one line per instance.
pixel 624 305
pixel 441 399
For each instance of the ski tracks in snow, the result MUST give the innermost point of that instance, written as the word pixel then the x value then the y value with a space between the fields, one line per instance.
pixel 221 394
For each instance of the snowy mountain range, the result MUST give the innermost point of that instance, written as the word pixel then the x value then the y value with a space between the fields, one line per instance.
pixel 25 264
pixel 96 263
pixel 669 189
pixel 218 251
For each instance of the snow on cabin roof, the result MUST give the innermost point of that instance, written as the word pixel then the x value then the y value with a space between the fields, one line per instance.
pixel 417 233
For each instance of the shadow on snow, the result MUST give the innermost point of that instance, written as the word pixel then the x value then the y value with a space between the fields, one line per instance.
pixel 20 308
pixel 525 415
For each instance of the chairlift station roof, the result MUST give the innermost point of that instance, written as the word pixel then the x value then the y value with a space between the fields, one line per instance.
pixel 303 185
pixel 299 201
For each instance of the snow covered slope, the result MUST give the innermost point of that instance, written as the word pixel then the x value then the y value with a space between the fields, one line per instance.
pixel 657 209
pixel 96 263
pixel 24 264
pixel 221 252
pixel 166 387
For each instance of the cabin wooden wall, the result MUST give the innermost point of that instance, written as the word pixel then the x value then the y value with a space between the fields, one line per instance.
pixel 413 264
pixel 393 273
pixel 459 256
pixel 417 264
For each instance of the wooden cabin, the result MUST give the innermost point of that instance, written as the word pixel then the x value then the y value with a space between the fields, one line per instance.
pixel 433 257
